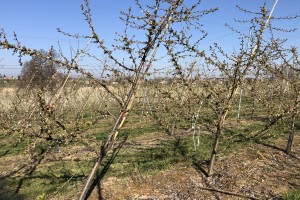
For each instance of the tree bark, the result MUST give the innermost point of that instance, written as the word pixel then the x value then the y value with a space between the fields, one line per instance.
pixel 216 144
pixel 139 77
pixel 291 135
pixel 292 129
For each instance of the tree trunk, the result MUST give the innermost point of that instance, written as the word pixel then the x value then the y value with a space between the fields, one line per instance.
pixel 291 135
pixel 139 77
pixel 216 144
pixel 292 129
pixel 89 180
pixel 110 141
pixel 240 102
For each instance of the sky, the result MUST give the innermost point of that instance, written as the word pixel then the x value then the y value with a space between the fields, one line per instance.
pixel 35 23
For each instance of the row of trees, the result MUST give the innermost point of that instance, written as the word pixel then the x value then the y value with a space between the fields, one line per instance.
pixel 196 94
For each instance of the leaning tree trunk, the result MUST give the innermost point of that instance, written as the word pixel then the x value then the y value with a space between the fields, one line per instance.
pixel 140 73
pixel 216 143
pixel 292 128
pixel 291 135
pixel 105 148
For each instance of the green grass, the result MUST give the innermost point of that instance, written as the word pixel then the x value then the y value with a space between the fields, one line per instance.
pixel 54 178
pixel 149 160
pixel 160 157
pixel 292 195
pixel 12 148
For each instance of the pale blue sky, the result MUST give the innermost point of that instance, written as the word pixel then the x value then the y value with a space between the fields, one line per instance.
pixel 35 22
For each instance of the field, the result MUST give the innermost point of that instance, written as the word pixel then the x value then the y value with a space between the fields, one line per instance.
pixel 148 161
pixel 157 113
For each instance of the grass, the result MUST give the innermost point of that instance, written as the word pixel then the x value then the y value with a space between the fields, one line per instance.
pixel 292 195
pixel 152 159
pixel 53 178
pixel 11 147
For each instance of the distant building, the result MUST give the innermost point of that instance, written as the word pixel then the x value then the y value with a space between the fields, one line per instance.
pixel 10 78
pixel 3 77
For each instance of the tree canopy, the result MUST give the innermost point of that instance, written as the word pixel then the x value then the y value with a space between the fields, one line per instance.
pixel 40 73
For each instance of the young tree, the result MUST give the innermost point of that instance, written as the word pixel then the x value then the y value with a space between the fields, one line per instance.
pixel 259 51
pixel 158 21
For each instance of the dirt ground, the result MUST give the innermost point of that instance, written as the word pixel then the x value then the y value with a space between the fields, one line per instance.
pixel 255 172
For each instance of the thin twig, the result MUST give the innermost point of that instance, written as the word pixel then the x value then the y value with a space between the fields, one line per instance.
pixel 228 193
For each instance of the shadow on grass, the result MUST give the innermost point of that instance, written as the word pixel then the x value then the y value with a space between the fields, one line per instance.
pixel 32 189
pixel 33 183
pixel 6 191
pixel 151 159
pixel 29 169
pixel 258 141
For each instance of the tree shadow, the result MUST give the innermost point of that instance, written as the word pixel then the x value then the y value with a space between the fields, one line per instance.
pixel 261 118
pixel 6 191
pixel 269 145
pixel 276 148
pixel 12 183
pixel 97 182
pixel 259 138
pixel 179 147
pixel 3 154
pixel 28 172
pixel 29 169
pixel 200 167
